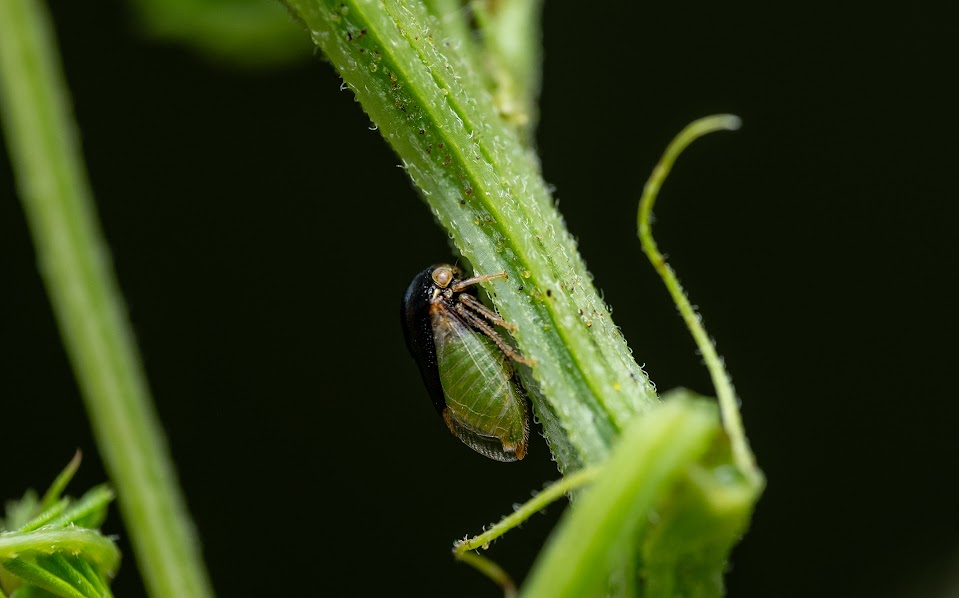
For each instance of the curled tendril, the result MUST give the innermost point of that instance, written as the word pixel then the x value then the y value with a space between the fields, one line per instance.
pixel 725 394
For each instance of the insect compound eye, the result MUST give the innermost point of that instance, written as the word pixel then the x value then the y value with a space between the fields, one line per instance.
pixel 443 276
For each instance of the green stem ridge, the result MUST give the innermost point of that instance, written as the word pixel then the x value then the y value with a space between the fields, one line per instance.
pixel 485 189
pixel 75 266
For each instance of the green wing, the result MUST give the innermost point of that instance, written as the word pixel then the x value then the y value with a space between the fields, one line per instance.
pixel 484 406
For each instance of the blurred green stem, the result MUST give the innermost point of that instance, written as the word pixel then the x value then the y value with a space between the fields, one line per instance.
pixel 75 266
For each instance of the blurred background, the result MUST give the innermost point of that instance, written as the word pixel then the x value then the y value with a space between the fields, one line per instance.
pixel 263 236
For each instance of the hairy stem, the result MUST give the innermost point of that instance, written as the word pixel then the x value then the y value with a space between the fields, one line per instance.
pixel 539 502
pixel 483 186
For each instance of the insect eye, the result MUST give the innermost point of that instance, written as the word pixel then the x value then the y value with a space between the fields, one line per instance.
pixel 443 276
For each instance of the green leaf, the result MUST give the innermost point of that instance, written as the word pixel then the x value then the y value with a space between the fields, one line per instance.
pixel 58 565
pixel 60 483
pixel 89 544
pixel 685 550
pixel 44 518
pixel 88 511
pixel 92 575
pixel 40 577
pixel 32 592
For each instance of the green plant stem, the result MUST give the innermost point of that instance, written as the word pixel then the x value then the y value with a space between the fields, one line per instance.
pixel 75 266
pixel 491 570
pixel 482 185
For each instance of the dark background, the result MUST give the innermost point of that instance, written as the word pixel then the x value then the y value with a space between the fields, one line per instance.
pixel 263 235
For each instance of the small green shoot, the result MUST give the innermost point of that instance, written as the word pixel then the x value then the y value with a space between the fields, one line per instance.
pixel 53 548
pixel 55 491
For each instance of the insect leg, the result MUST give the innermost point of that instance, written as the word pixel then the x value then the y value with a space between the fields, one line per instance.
pixel 475 304
pixel 481 325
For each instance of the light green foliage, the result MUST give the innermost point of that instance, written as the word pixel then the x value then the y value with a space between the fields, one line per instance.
pixel 52 547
